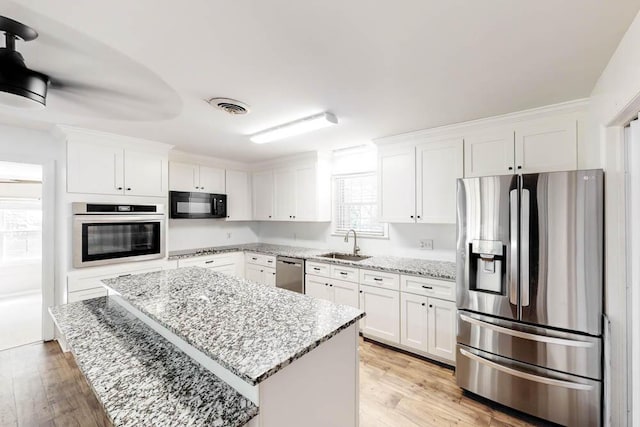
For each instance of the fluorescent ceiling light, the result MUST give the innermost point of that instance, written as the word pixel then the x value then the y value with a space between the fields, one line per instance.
pixel 305 125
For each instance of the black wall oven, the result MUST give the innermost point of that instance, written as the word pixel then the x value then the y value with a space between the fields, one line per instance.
pixel 109 234
pixel 197 205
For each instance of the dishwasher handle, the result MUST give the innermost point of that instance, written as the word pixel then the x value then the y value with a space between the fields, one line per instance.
pixel 296 264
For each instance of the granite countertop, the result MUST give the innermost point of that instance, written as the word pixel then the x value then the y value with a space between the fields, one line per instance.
pixel 263 248
pixel 139 377
pixel 444 270
pixel 250 329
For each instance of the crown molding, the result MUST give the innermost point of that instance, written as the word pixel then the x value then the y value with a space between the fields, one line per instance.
pixel 459 129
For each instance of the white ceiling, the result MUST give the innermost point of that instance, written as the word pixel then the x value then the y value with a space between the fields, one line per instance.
pixel 382 67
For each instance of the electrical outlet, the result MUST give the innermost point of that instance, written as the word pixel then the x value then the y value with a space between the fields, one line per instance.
pixel 228 235
pixel 426 244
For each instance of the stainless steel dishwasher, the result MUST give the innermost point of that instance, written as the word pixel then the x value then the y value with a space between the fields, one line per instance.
pixel 290 274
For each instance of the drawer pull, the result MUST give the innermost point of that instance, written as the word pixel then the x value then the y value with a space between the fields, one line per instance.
pixel 209 262
pixel 427 287
pixel 255 259
pixel 124 275
pixel 343 273
pixel 316 268
pixel 377 279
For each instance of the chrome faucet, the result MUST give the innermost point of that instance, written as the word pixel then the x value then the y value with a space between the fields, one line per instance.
pixel 356 249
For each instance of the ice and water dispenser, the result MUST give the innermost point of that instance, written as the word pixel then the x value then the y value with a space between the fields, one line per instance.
pixel 487 266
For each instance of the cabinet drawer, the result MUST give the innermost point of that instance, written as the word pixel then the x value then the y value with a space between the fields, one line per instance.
pixel 208 261
pixel 427 286
pixel 229 270
pixel 380 279
pixel 75 284
pixel 86 294
pixel 318 269
pixel 345 273
pixel 260 259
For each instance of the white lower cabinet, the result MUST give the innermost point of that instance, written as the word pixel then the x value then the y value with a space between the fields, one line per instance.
pixel 441 329
pixel 413 321
pixel 428 325
pixel 383 313
pixel 337 291
pixel 256 269
pixel 229 263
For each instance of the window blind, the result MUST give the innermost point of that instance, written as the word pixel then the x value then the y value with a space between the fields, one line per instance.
pixel 355 202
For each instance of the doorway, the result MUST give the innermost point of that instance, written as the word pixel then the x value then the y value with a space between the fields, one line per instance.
pixel 21 218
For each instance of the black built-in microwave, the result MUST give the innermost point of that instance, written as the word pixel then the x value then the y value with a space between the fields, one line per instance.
pixel 197 205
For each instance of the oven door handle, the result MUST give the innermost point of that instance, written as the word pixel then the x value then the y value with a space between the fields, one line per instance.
pixel 118 218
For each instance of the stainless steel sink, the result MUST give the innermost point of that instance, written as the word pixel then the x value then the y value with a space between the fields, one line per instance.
pixel 345 257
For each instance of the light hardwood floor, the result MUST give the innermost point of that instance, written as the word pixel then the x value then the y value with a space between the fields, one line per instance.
pixel 41 386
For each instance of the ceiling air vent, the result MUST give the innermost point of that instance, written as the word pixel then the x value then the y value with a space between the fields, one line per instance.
pixel 230 106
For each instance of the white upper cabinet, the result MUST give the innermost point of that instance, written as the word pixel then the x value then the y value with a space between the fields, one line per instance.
pixel 542 145
pixel 489 153
pixel 306 196
pixel 212 180
pixel 417 180
pixel 396 183
pixel 196 178
pixel 238 196
pixel 285 194
pixel 546 146
pixel 104 164
pixel 438 165
pixel 294 191
pixel 183 177
pixel 94 168
pixel 145 174
pixel 263 195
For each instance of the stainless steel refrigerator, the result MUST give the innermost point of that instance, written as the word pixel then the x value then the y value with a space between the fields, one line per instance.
pixel 530 293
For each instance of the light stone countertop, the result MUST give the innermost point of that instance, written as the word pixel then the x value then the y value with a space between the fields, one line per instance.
pixel 250 329
pixel 139 377
pixel 444 270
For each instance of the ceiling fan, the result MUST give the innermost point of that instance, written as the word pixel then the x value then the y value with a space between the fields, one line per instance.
pixel 79 77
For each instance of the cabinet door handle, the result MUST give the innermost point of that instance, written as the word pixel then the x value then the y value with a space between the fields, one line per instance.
pixel 273 274
pixel 430 305
pixel 423 304
pixel 202 188
pixel 255 259
pixel 261 271
pixel 119 188
pixel 269 216
pixel 128 188
pixel 377 279
pixel 418 216
pixel 330 285
pixel 510 168
pixel 209 262
pixel 427 287
pixel 360 291
pixel 411 216
pixel 519 167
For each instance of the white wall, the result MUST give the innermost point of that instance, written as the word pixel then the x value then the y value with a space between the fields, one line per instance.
pixel 614 100
pixel 203 233
pixel 403 239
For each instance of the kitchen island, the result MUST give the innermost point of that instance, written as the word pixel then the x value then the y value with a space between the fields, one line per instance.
pixel 292 356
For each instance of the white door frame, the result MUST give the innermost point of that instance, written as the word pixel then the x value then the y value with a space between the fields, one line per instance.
pixel 48 233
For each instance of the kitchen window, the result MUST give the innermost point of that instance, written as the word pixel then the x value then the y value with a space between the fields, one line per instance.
pixel 355 205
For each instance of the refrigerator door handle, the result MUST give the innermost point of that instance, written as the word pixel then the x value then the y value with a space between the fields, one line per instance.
pixel 525 375
pixel 525 205
pixel 527 335
pixel 513 247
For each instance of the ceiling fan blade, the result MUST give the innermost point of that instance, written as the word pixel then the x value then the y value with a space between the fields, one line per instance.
pixel 90 78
